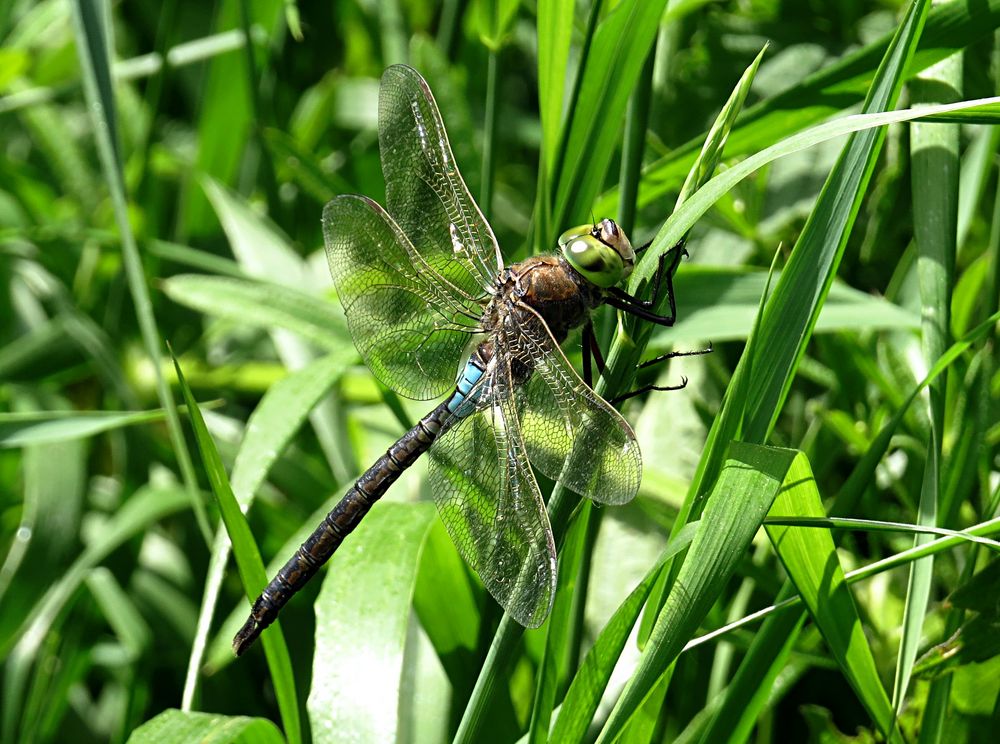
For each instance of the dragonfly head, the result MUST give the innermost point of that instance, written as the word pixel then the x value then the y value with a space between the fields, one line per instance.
pixel 601 253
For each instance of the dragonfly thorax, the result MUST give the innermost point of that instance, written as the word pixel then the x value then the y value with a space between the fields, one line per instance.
pixel 543 288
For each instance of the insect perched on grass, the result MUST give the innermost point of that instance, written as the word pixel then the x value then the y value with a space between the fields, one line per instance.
pixel 423 283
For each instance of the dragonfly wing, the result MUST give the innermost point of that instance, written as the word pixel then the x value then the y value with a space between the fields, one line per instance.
pixel 410 326
pixel 489 501
pixel 570 432
pixel 424 190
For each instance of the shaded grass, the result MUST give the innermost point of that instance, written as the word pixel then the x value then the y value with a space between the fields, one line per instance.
pixel 122 593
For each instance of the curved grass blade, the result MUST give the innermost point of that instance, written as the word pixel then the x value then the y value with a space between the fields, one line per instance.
pixel 369 586
pixel 47 427
pixel 720 303
pixel 248 561
pixel 790 315
pixel 269 430
pixel 750 480
pixel 267 305
pixel 264 253
pixel 591 680
pixel 810 557
pixel 830 91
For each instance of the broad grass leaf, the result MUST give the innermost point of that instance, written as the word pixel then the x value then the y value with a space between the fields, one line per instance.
pixel 48 427
pixel 268 305
pixel 719 303
pixel 810 557
pixel 363 614
pixel 592 678
pixel 183 727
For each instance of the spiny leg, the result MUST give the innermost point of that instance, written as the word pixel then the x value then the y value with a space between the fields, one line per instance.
pixel 627 303
pixel 673 355
pixel 647 388
pixel 658 360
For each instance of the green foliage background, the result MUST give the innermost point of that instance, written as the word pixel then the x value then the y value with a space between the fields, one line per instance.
pixel 161 180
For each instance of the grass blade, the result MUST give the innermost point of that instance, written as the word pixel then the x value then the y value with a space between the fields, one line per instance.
pixel 370 584
pixel 270 428
pixel 248 562
pixel 178 727
pixel 750 480
pixel 934 153
pixel 94 47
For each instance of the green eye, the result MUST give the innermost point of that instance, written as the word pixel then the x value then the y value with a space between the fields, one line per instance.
pixel 595 261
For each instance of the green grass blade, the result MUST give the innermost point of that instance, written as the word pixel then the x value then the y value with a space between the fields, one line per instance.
pixel 829 91
pixel 448 602
pixel 269 430
pixel 750 480
pixel 720 303
pixel 634 144
pixel 810 558
pixel 559 632
pixel 220 650
pixel 248 561
pixel 555 30
pixel 715 141
pixel 621 42
pixel 744 698
pixel 267 305
pixel 279 415
pixel 225 119
pixel 935 163
pixel 178 727
pixel 591 680
pixel 369 586
pixel 94 48
pixel 47 427
pixel 265 253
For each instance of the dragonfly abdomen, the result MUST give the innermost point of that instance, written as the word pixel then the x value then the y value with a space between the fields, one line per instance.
pixel 465 388
pixel 341 521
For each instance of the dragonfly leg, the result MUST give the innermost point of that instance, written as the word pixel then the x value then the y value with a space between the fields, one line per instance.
pixel 672 355
pixel 665 270
pixel 647 388
pixel 658 360
pixel 591 351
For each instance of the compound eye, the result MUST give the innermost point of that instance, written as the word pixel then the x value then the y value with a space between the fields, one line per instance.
pixel 584 250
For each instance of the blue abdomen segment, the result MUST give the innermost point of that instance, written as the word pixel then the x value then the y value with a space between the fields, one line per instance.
pixel 464 389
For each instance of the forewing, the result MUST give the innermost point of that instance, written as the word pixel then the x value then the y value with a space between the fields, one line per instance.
pixel 424 190
pixel 489 501
pixel 570 432
pixel 410 325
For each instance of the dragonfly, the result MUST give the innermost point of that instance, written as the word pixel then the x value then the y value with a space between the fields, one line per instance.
pixel 428 300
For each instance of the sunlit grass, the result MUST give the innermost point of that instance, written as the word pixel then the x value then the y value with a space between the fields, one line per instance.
pixel 143 203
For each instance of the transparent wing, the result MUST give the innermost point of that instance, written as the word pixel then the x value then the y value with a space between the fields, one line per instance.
pixel 571 433
pixel 424 190
pixel 489 501
pixel 410 325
